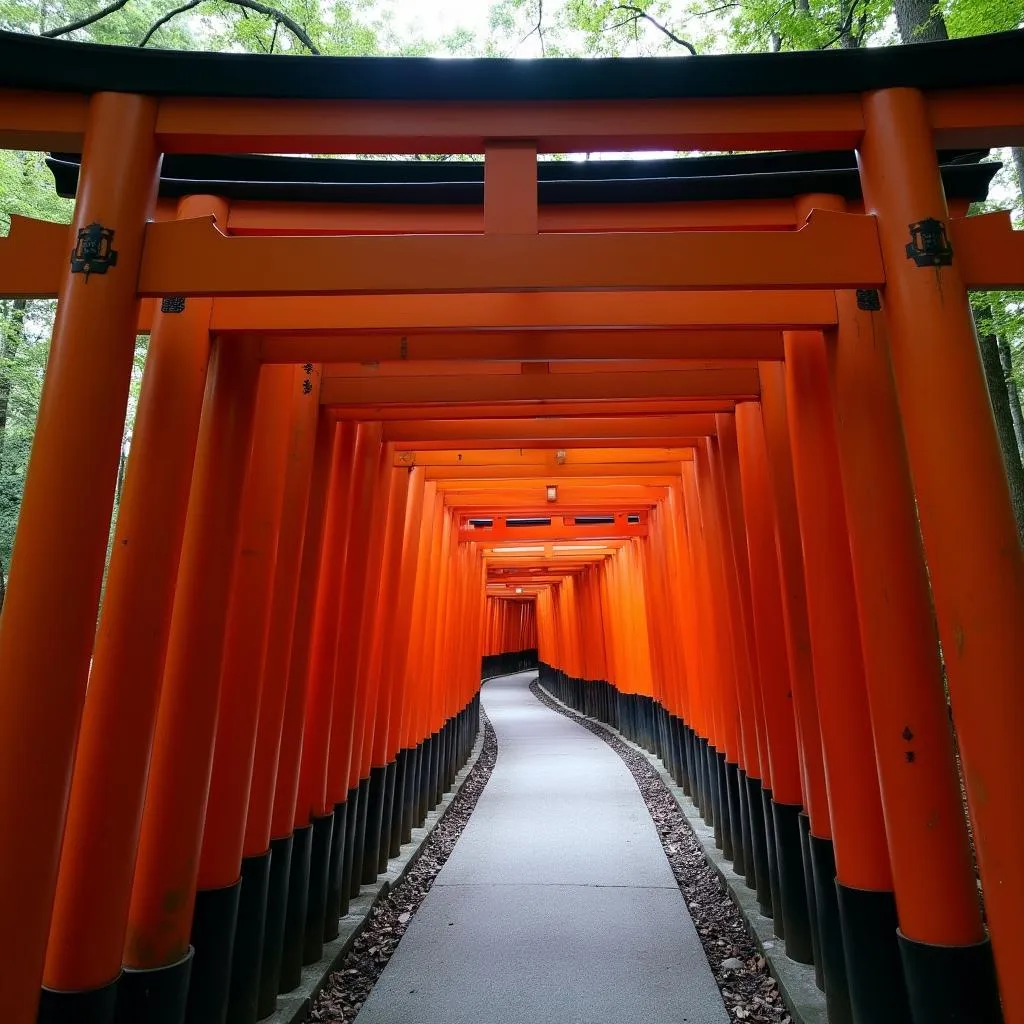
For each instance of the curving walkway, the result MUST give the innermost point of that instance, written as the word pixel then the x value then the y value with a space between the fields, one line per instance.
pixel 557 905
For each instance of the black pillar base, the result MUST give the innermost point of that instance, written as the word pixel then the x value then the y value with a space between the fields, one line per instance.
pixel 316 904
pixel 359 839
pixel 351 814
pixel 273 930
pixel 778 921
pixel 93 1006
pixel 735 817
pixel 410 795
pixel 295 910
pixel 398 812
pixel 792 890
pixel 878 991
pixel 213 940
pixel 723 800
pixel 759 845
pixel 332 907
pixel 830 931
pixel 812 901
pixel 387 811
pixel 748 872
pixel 158 996
pixel 374 818
pixel 243 993
pixel 951 984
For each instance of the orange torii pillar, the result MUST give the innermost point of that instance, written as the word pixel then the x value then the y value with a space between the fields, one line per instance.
pixel 775 677
pixel 157 956
pixel 313 817
pixel 256 943
pixel 64 525
pixel 116 735
pixel 741 701
pixel 289 866
pixel 919 781
pixel 830 962
pixel 974 556
pixel 226 877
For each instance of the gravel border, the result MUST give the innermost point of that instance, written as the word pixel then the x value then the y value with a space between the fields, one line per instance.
pixel 348 988
pixel 749 991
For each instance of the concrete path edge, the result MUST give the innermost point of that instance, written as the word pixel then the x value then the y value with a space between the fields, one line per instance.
pixel 294 1007
pixel 804 1000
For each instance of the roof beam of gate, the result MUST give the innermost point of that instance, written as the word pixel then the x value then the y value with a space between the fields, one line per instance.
pixel 832 250
pixel 525 311
pixel 736 384
pixel 520 346
pixel 596 432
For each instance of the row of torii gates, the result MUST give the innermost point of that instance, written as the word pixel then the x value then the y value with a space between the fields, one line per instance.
pixel 665 424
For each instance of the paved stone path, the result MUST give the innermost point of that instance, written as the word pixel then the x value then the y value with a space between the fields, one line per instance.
pixel 557 905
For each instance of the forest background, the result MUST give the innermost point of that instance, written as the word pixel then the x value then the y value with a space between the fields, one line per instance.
pixel 527 29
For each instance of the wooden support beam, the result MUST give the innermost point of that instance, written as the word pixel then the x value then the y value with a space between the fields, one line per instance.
pixel 212 125
pixel 783 309
pixel 597 432
pixel 540 458
pixel 543 346
pixel 732 384
pixel 832 250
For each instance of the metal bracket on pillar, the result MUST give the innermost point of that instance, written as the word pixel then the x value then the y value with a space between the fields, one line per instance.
pixel 929 246
pixel 94 250
pixel 869 300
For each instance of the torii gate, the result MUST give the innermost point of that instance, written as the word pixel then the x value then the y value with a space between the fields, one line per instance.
pixel 760 284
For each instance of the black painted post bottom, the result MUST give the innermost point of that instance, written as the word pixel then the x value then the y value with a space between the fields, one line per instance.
pixel 738 832
pixel 723 801
pixel 374 820
pixel 359 837
pixel 796 916
pixel 830 931
pixel 387 812
pixel 246 962
pixel 94 1006
pixel 951 984
pixel 273 930
pixel 398 813
pixel 778 921
pixel 716 797
pixel 332 906
pixel 213 941
pixel 759 845
pixel 410 795
pixel 295 910
pixel 812 901
pixel 351 814
pixel 158 996
pixel 748 872
pixel 874 969
pixel 316 902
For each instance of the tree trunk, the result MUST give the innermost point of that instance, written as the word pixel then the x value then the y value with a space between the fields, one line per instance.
pixel 1000 398
pixel 10 342
pixel 1006 360
pixel 1017 153
pixel 920 21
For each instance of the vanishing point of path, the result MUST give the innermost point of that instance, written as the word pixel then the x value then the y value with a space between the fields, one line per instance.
pixel 557 905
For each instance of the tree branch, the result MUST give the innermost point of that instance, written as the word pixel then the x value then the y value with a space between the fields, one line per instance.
pixel 538 28
pixel 99 15
pixel 637 13
pixel 161 21
pixel 281 18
